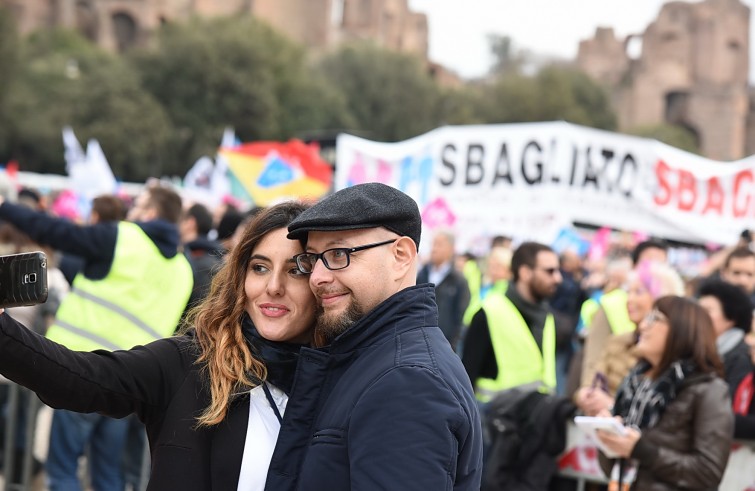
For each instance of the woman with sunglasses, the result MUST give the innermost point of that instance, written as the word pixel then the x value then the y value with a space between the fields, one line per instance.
pixel 674 406
pixel 212 398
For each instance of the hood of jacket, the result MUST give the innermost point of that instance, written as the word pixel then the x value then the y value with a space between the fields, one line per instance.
pixel 203 245
pixel 164 234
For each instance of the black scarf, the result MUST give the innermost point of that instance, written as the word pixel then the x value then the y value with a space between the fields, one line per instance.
pixel 641 400
pixel 280 358
pixel 534 314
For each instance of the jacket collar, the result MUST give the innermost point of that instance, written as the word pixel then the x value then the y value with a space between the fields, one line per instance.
pixel 697 378
pixel 408 309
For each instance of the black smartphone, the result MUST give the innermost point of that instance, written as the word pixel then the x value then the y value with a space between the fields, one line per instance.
pixel 23 279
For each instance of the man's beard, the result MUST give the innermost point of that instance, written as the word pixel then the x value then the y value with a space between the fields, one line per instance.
pixel 541 292
pixel 329 326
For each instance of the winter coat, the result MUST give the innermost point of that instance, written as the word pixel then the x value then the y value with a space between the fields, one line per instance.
pixel 160 382
pixel 527 432
pixel 387 405
pixel 689 446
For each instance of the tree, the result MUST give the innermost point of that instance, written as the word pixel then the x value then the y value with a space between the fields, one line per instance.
pixel 674 135
pixel 239 72
pixel 390 95
pixel 506 59
pixel 66 80
pixel 9 64
pixel 554 93
pixel 460 105
pixel 312 104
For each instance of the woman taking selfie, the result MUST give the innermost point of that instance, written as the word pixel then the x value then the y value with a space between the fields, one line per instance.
pixel 211 399
pixel 675 409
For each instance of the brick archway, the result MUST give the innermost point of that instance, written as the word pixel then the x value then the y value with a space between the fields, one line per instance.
pixel 125 30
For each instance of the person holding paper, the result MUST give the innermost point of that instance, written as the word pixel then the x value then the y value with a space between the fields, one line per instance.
pixel 673 404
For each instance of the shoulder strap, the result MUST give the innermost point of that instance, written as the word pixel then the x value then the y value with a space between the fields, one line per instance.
pixel 272 402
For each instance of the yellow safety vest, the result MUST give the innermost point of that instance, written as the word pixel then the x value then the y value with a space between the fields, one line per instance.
pixel 473 275
pixel 139 301
pixel 519 359
pixel 475 304
pixel 588 310
pixel 614 304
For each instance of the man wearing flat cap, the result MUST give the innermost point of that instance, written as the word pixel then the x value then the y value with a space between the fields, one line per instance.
pixel 383 402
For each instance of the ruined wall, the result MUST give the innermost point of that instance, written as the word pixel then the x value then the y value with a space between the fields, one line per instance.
pixel 306 21
pixel 115 24
pixel 604 56
pixel 692 71
pixel 390 23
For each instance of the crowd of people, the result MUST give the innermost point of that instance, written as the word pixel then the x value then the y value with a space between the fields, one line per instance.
pixel 624 336
pixel 313 348
pixel 309 346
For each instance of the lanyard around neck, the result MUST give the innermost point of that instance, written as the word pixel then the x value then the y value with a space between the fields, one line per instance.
pixel 270 400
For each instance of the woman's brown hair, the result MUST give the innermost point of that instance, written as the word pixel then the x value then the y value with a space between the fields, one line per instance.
pixel 224 352
pixel 690 335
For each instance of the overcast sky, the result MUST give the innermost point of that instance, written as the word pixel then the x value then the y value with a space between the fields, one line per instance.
pixel 459 28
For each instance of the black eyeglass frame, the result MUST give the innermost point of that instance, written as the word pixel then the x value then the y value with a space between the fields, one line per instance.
pixel 299 258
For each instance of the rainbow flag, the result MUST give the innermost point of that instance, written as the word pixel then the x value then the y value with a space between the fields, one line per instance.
pixel 265 173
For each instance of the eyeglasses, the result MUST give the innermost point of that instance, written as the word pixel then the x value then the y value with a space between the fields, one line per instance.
pixel 333 259
pixel 654 316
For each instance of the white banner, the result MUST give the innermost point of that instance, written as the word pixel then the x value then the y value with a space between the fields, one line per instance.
pixel 530 180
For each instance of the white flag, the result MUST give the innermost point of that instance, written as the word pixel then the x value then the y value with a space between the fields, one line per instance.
pixel 207 182
pixel 199 176
pixel 229 138
pixel 89 172
pixel 102 179
pixel 198 183
pixel 74 154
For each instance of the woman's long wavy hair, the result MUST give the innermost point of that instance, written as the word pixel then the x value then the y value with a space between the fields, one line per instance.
pixel 224 352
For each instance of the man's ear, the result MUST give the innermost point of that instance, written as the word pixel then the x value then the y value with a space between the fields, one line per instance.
pixel 404 253
pixel 525 273
pixel 149 214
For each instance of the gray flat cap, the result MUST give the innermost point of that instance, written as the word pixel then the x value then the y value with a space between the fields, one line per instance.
pixel 367 205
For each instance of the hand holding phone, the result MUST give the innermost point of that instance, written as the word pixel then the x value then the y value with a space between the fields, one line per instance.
pixel 23 279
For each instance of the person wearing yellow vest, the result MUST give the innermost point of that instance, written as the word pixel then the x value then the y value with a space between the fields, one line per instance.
pixel 470 269
pixel 132 290
pixel 511 340
pixel 498 274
